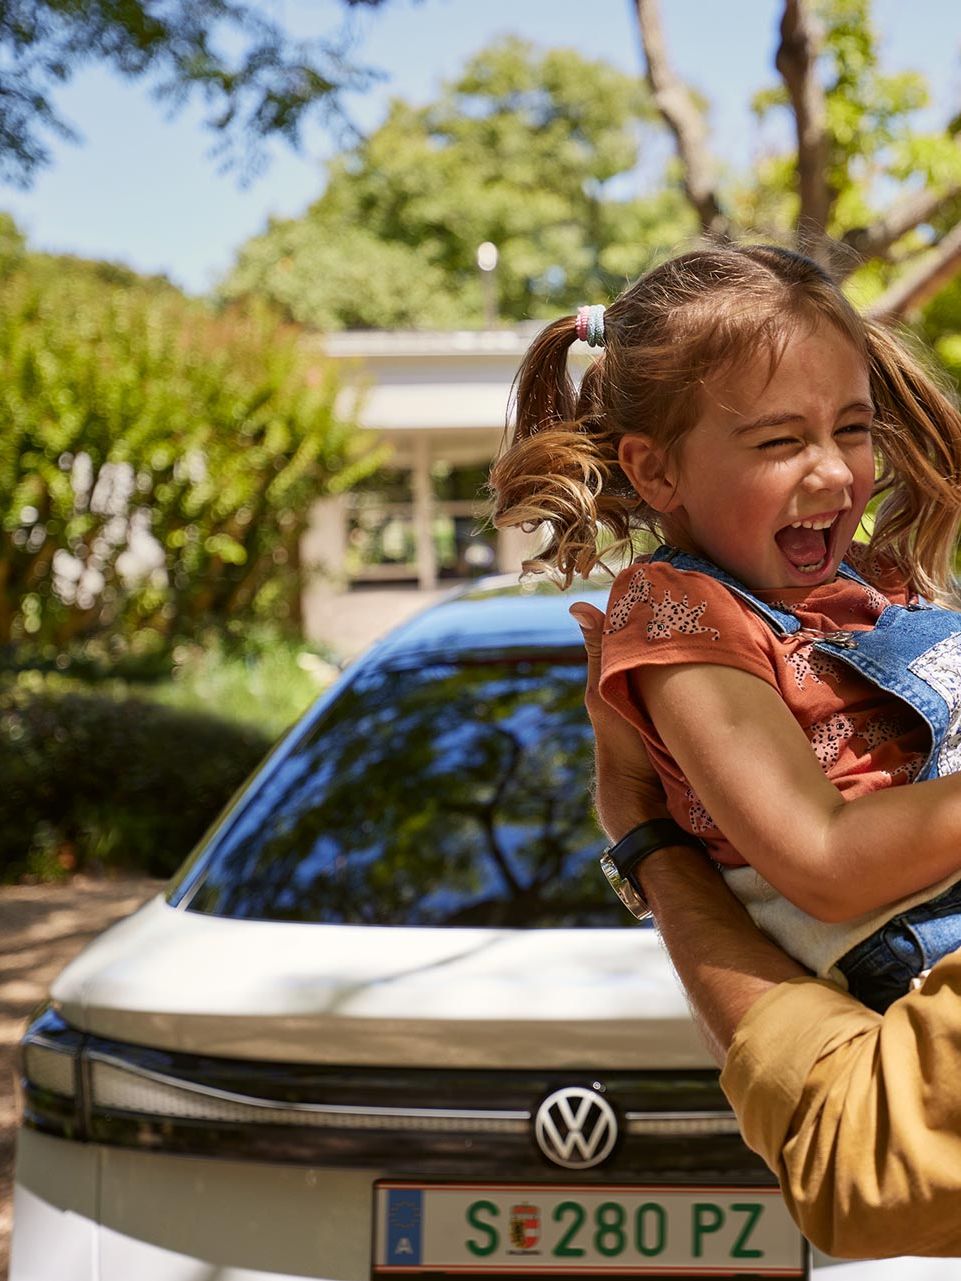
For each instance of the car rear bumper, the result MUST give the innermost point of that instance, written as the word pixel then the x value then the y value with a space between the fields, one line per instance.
pixel 86 1212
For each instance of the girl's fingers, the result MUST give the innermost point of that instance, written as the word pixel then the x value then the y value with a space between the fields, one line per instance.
pixel 625 776
pixel 610 728
pixel 591 622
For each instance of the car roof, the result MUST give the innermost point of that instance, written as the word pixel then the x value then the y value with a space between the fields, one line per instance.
pixel 493 614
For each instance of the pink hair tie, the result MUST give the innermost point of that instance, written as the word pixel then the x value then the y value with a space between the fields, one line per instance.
pixel 589 325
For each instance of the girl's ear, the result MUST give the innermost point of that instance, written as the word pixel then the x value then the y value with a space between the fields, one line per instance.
pixel 647 467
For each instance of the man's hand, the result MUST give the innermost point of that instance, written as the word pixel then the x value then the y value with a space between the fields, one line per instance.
pixel 627 791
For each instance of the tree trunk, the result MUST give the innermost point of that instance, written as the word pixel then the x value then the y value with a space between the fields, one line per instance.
pixel 915 289
pixel 796 61
pixel 684 119
pixel 909 212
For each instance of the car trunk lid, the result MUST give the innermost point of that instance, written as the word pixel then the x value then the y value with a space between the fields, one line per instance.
pixel 329 994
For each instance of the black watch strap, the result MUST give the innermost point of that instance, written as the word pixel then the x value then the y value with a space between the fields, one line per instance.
pixel 621 860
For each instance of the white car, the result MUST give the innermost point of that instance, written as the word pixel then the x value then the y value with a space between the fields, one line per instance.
pixel 390 1021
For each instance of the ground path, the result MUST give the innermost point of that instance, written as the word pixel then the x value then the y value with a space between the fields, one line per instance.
pixel 42 927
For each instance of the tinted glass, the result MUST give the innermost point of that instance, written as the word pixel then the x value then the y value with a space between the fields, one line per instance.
pixel 451 795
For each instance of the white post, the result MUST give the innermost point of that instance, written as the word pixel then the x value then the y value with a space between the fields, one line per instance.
pixel 424 514
pixel 514 546
pixel 487 262
pixel 323 552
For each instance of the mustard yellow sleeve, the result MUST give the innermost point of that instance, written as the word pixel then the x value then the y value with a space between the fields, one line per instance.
pixel 858 1115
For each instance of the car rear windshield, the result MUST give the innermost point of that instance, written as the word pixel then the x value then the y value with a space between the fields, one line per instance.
pixel 453 794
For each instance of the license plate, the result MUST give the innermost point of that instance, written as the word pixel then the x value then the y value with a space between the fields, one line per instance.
pixel 490 1228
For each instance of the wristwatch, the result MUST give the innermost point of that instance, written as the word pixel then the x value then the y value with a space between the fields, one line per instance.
pixel 621 860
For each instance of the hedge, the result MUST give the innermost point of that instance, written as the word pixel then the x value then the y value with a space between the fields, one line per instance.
pixel 95 783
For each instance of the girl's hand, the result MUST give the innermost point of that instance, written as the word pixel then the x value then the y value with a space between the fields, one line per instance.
pixel 627 791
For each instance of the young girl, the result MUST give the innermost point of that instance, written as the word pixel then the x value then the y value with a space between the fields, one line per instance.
pixel 786 680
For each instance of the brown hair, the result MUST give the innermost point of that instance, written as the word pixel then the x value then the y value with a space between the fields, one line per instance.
pixel 698 315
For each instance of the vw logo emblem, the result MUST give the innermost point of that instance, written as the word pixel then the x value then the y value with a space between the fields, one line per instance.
pixel 575 1128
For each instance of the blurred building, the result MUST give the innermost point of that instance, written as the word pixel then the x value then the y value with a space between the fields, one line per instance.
pixel 439 401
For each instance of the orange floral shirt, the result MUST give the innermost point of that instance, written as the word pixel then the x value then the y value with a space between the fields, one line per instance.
pixel 864 738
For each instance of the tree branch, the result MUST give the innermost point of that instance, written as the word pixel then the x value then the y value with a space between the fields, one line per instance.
pixel 923 283
pixel 796 61
pixel 915 208
pixel 681 115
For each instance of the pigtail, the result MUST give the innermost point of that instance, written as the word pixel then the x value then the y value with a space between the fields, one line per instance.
pixel 544 393
pixel 557 469
pixel 918 434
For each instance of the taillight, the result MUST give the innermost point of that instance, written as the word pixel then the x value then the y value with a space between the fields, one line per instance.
pixel 50 1071
pixel 50 1067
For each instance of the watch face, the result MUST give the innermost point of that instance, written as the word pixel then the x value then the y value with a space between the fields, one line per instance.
pixel 624 888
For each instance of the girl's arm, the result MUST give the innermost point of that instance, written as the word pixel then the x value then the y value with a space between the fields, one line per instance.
pixel 753 768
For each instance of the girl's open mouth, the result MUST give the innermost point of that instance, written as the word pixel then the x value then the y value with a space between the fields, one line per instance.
pixel 807 543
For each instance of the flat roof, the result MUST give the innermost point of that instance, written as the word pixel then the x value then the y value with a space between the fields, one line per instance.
pixel 432 379
pixel 510 341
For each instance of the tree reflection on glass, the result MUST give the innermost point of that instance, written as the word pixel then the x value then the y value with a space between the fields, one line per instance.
pixel 453 794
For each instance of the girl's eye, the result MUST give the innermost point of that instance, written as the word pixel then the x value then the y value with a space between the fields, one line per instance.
pixel 853 431
pixel 777 443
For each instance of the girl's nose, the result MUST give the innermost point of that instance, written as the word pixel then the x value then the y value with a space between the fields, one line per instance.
pixel 829 470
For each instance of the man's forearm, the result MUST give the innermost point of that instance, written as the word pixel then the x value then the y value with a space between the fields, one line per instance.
pixel 837 1100
pixel 721 957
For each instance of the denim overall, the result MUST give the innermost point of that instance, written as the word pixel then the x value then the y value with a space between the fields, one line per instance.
pixel 914 653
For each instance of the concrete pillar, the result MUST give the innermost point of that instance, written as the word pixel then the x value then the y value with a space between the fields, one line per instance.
pixel 514 546
pixel 323 560
pixel 423 514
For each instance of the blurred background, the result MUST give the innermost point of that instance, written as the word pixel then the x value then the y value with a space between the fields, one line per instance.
pixel 266 274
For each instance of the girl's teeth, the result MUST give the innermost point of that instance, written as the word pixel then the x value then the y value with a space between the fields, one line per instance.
pixel 812 524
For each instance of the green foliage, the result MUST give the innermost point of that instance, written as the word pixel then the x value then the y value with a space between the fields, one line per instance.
pixel 13 245
pixel 940 327
pixel 80 759
pixel 530 149
pixel 157 460
pixel 345 277
pixel 260 679
pixel 93 783
pixel 874 145
pixel 523 149
pixel 255 79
